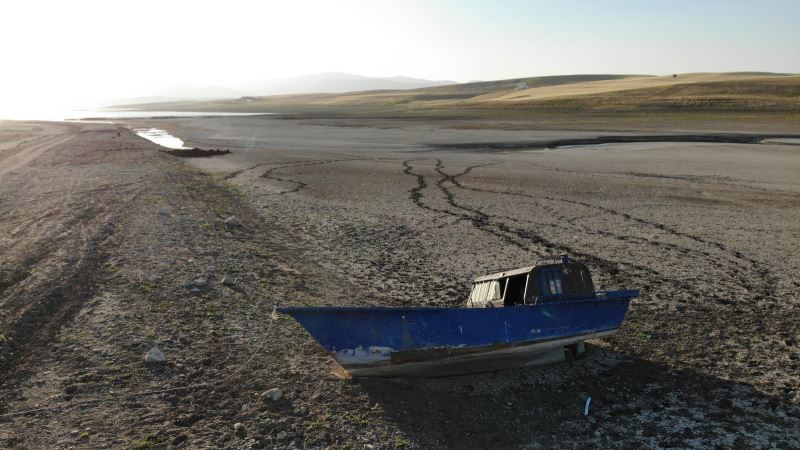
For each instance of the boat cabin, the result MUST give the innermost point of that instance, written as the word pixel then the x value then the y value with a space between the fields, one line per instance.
pixel 557 278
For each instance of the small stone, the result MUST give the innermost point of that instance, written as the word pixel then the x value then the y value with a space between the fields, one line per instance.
pixel 180 439
pixel 74 433
pixel 154 356
pixel 200 282
pixel 369 447
pixel 163 212
pixel 273 394
pixel 232 222
pixel 155 278
pixel 228 280
pixel 282 435
pixel 239 428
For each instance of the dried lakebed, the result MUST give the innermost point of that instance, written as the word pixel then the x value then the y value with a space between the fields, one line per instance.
pixel 357 215
pixel 698 226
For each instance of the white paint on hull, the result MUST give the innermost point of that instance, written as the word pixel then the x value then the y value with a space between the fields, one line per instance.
pixel 360 355
pixel 518 356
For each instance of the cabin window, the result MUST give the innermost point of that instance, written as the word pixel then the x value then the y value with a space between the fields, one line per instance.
pixel 550 282
pixel 515 290
pixel 586 281
pixel 486 291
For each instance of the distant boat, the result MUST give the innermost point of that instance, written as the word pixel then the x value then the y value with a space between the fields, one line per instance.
pixel 532 315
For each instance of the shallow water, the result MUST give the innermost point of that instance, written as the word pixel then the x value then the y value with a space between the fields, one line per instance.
pixel 161 137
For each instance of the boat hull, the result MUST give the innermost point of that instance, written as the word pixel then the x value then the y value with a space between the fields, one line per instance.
pixel 489 359
pixel 380 341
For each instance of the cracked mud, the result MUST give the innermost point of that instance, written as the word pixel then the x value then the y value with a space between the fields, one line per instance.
pixel 100 237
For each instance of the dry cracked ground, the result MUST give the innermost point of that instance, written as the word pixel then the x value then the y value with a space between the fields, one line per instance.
pixel 103 237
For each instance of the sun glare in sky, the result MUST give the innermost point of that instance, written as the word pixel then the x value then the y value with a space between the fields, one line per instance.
pixel 70 54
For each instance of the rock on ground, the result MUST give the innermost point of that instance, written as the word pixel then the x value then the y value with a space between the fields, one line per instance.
pixel 155 356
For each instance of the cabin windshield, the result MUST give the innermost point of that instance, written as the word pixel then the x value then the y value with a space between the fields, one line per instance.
pixel 550 282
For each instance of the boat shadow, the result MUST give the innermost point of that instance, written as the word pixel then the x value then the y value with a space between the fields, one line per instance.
pixel 634 403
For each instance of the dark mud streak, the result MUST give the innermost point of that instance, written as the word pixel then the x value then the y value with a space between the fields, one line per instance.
pixel 767 280
pixel 477 218
pixel 416 194
pixel 572 221
pixel 299 185
pixel 489 224
pixel 556 143
pixel 195 152
pixel 610 267
pixel 501 229
pixel 494 225
pixel 236 173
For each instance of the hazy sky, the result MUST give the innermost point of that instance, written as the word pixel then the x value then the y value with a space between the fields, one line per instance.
pixel 79 52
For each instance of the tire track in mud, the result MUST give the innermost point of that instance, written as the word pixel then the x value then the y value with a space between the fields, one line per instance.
pixel 57 251
pixel 416 194
pixel 477 218
pixel 29 153
pixel 35 254
pixel 38 320
pixel 12 276
pixel 512 235
pixel 612 268
pixel 299 185
pixel 658 225
pixel 499 227
pixel 767 281
pixel 571 220
pixel 236 173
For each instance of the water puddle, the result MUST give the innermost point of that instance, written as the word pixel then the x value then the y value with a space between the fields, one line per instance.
pixel 161 137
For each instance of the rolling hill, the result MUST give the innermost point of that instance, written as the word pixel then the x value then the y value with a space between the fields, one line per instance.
pixel 741 92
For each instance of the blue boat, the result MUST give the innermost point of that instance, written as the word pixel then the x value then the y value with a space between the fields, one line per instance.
pixel 526 316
